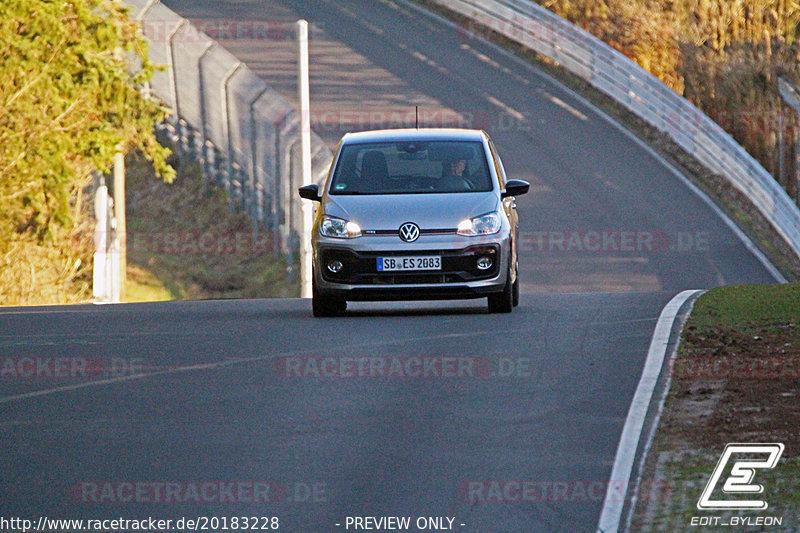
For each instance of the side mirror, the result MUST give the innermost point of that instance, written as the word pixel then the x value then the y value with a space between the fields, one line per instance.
pixel 516 188
pixel 310 192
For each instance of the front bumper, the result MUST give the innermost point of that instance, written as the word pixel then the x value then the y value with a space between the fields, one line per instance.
pixel 459 277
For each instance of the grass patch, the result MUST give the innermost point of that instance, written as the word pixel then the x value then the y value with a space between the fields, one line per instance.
pixel 747 306
pixel 736 379
pixel 143 286
pixel 672 508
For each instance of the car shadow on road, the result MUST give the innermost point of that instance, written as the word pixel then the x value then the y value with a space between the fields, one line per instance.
pixel 364 309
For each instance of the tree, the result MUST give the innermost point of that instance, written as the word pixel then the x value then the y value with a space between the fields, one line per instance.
pixel 68 102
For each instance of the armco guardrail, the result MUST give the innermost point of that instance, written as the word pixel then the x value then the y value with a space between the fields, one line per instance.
pixel 645 95
pixel 246 136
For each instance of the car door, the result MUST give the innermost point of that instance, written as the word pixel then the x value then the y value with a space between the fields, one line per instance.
pixel 509 205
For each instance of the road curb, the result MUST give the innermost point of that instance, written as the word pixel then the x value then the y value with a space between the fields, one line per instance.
pixel 630 440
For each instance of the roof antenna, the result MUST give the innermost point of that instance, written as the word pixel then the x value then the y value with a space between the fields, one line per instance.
pixel 416 116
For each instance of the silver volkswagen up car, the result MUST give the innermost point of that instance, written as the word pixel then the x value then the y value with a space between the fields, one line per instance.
pixel 414 214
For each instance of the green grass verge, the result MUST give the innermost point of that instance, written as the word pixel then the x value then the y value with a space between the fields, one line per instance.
pixel 672 508
pixel 747 306
pixel 753 328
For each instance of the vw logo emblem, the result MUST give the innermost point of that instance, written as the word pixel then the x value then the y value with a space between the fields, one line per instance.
pixel 409 232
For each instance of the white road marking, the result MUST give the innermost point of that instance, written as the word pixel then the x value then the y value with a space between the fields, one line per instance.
pixel 494 64
pixel 505 107
pixel 225 363
pixel 632 431
pixel 565 106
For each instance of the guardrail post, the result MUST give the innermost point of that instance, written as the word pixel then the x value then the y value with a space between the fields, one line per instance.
pixel 258 188
pixel 284 161
pixel 233 179
pixel 791 96
pixel 275 214
pixel 209 169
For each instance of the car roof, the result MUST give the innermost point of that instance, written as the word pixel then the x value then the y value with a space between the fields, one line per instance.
pixel 412 134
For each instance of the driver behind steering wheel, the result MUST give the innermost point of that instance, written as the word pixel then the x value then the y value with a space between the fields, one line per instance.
pixel 454 176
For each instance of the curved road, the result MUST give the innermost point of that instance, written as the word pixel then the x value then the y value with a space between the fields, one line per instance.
pixel 371 62
pixel 253 408
pixel 244 391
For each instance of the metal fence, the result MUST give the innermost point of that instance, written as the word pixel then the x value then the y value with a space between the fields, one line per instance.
pixel 643 94
pixel 245 135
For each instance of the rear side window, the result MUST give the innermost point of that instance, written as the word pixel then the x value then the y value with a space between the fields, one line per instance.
pixel 411 167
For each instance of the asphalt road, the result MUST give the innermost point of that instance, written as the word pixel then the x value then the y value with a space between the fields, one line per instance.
pixel 257 393
pixel 227 391
pixel 372 61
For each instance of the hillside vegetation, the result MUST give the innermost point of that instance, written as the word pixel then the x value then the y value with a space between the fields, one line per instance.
pixel 186 236
pixel 725 56
pixel 67 104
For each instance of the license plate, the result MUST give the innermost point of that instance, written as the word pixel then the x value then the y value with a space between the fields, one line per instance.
pixel 426 262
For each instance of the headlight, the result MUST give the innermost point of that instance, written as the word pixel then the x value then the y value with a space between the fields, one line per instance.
pixel 483 225
pixel 338 228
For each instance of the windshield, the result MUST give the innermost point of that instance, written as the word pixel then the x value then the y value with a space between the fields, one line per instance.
pixel 412 167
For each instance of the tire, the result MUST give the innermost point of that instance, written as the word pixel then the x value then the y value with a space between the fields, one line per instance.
pixel 515 291
pixel 503 302
pixel 325 306
pixel 515 287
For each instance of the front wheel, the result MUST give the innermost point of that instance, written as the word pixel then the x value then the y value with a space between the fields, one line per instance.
pixel 503 302
pixel 323 306
pixel 515 291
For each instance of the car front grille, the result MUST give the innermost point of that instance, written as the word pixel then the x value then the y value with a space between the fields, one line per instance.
pixel 360 268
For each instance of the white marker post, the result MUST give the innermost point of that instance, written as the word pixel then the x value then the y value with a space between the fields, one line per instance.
pixel 100 283
pixel 305 146
pixel 106 278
